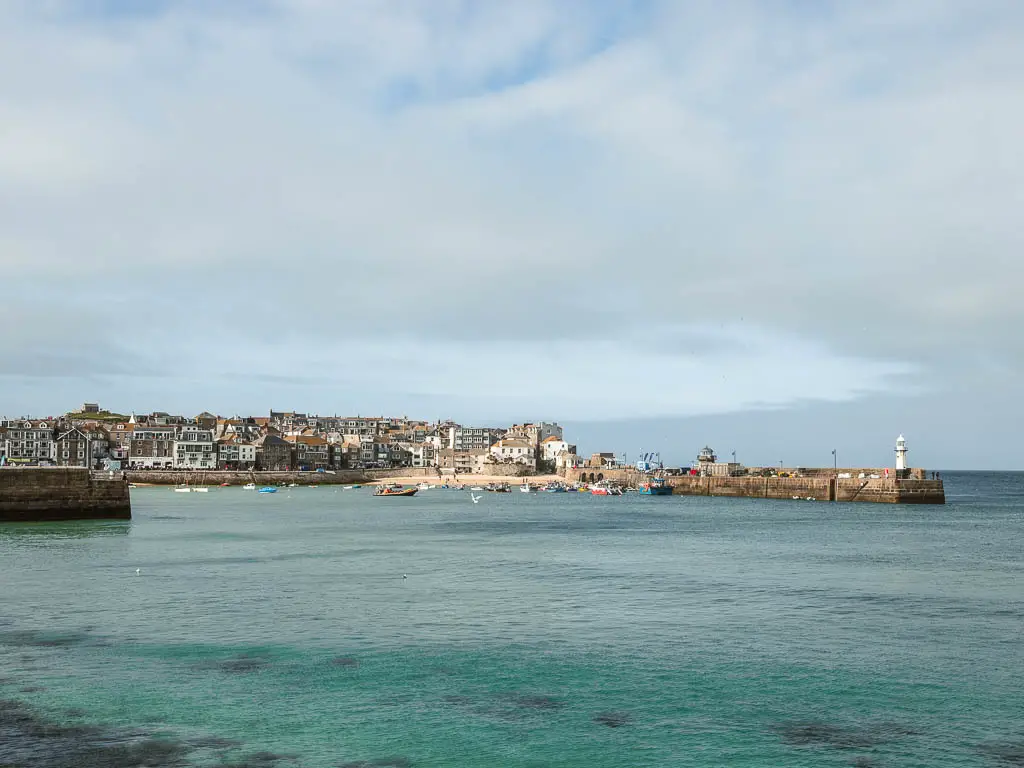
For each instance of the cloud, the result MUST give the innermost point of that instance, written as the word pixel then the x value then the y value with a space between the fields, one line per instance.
pixel 603 200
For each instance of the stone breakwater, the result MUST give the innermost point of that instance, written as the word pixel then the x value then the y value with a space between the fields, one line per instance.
pixel 215 477
pixel 812 484
pixel 62 493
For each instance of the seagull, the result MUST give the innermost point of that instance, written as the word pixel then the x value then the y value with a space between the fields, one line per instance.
pixel 475 498
pixel 138 571
pixel 405 576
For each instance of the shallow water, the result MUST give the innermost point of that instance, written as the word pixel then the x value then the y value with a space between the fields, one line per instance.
pixel 316 627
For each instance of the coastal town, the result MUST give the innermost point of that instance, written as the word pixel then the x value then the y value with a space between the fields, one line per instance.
pixel 281 441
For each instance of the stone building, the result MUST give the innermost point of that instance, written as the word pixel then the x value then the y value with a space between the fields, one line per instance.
pixel 151 447
pixel 273 453
pixel 71 448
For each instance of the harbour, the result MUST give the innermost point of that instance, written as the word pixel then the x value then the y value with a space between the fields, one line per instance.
pixel 229 629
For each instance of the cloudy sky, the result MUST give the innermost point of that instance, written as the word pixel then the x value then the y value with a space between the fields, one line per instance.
pixel 779 227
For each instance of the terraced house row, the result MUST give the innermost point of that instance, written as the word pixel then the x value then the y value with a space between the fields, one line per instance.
pixel 284 440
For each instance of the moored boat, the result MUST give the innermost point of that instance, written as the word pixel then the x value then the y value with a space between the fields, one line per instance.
pixel 249 487
pixel 655 486
pixel 386 490
pixel 268 489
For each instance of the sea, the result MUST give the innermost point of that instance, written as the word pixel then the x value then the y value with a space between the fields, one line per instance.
pixel 322 627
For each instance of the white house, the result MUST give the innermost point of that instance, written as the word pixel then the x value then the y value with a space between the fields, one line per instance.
pixel 551 446
pixel 194 449
pixel 514 451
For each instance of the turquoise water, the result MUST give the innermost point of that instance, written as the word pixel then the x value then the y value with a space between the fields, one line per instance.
pixel 528 630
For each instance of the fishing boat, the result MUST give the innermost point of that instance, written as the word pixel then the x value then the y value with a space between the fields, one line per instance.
pixel 387 490
pixel 554 488
pixel 424 486
pixel 655 486
pixel 524 488
pixel 268 489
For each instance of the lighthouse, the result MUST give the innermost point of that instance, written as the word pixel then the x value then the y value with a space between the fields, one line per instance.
pixel 901 453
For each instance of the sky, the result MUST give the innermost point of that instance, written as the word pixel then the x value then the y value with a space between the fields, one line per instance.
pixel 779 228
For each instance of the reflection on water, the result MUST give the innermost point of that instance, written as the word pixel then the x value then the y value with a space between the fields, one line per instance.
pixel 70 529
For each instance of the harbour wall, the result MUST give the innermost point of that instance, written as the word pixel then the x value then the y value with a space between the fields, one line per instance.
pixel 814 484
pixel 340 477
pixel 34 494
pixel 219 477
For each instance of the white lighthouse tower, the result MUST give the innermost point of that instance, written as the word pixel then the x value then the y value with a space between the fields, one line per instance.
pixel 901 453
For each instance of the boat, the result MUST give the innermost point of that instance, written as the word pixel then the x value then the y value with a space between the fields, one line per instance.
pixel 655 486
pixel 387 490
pixel 554 488
pixel 249 487
pixel 423 486
pixel 183 489
pixel 268 489
pixel 524 488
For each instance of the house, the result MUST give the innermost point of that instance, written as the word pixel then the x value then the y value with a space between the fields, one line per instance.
pixel 120 441
pixel 514 451
pixel 311 451
pixel 71 448
pixel 473 462
pixel 206 420
pixel 343 453
pixel 30 442
pixel 357 426
pixel 552 446
pixel 273 453
pixel 194 449
pixel 235 453
pixel 421 454
pixel 468 438
pixel 90 408
pixel 151 447
pixel 99 444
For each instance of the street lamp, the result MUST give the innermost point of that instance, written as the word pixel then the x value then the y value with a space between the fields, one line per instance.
pixel 835 461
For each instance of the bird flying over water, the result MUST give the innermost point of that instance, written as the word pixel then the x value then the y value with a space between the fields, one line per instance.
pixel 475 498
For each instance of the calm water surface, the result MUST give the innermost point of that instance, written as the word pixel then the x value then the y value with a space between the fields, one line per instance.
pixel 320 627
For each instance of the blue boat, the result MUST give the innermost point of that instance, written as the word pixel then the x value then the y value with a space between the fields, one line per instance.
pixel 655 486
pixel 268 489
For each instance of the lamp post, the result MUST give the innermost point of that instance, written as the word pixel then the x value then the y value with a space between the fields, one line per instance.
pixel 835 461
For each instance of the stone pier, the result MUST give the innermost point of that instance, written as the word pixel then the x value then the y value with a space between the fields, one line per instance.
pixel 814 484
pixel 33 494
